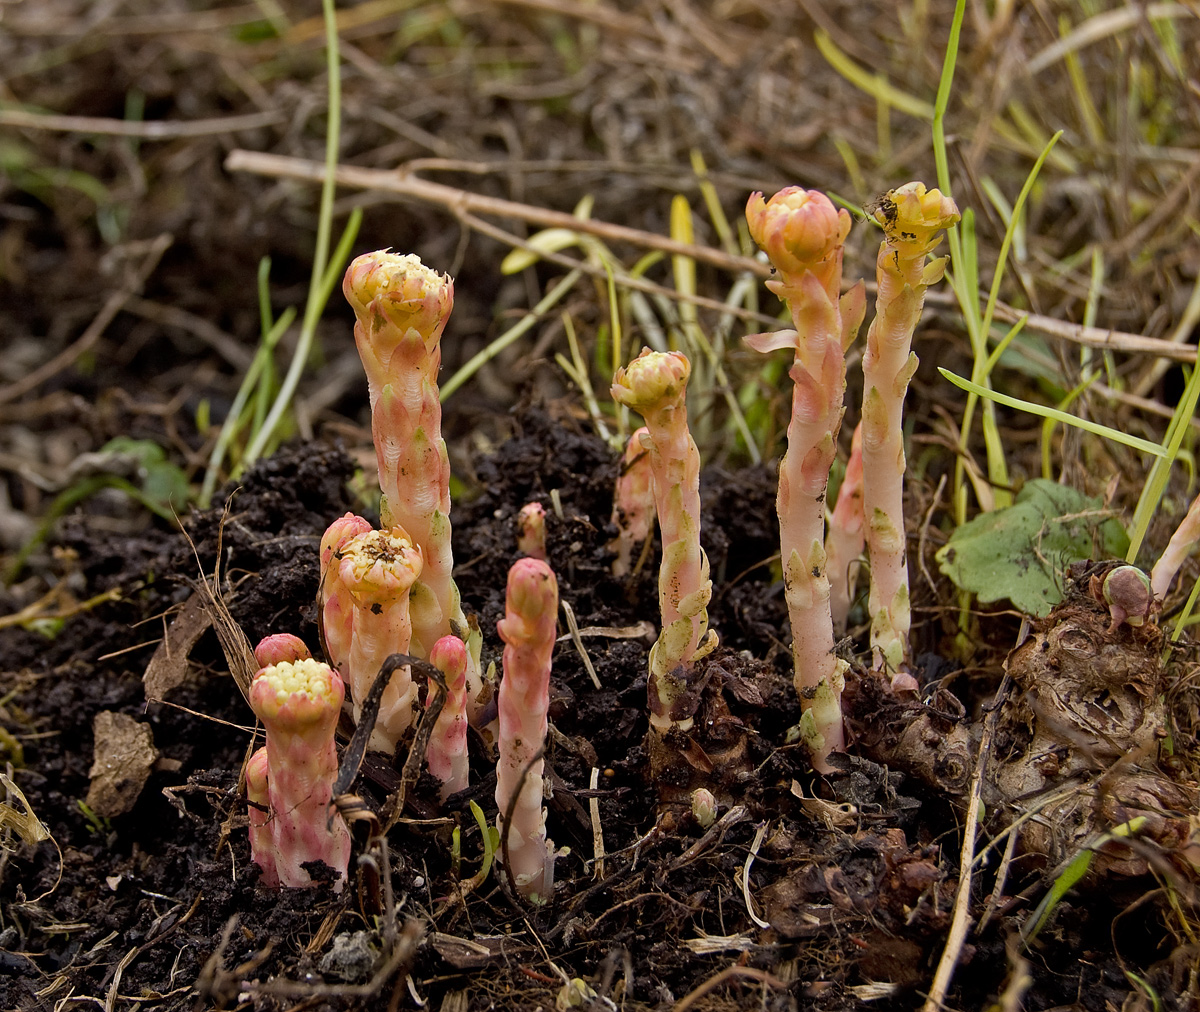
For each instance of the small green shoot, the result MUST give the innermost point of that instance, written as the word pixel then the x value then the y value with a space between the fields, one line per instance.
pixel 325 271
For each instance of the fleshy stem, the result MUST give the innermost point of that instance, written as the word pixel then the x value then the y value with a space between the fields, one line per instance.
pixel 446 752
pixel 402 307
pixel 912 219
pixel 528 626
pixel 655 385
pixel 298 703
pixel 633 503
pixel 376 572
pixel 804 235
pixel 1185 538
pixel 845 538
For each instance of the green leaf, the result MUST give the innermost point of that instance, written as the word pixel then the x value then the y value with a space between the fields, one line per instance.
pixel 1018 553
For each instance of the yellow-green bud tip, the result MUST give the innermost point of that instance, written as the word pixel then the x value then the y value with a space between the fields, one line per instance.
pixel 912 216
pixel 652 380
pixel 798 228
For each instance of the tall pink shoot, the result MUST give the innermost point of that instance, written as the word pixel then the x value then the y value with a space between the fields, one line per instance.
pixel 402 307
pixel 298 703
pixel 655 385
pixel 804 235
pixel 528 627
pixel 913 219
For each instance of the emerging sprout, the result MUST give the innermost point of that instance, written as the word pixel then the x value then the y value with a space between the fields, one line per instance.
pixel 531 607
pixel 654 384
pixel 704 807
pixel 1182 542
pixel 531 531
pixel 633 502
pixel 298 703
pixel 337 613
pixel 1128 594
pixel 446 753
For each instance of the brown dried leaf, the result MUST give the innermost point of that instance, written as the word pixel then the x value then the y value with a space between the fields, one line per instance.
pixel 168 667
pixel 121 762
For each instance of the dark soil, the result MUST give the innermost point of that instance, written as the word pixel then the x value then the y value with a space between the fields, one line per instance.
pixel 858 897
pixel 854 874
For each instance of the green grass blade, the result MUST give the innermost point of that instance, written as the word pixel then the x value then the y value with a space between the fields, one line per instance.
pixel 1116 435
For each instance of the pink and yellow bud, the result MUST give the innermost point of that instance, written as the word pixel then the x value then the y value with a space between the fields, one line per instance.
pixel 653 383
pixel 531 531
pixel 528 628
pixel 298 703
pixel 394 295
pixel 797 228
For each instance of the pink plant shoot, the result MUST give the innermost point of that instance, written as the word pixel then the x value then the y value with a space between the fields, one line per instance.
pixel 298 703
pixel 402 307
pixel 280 647
pixel 804 235
pixel 528 627
pixel 1182 542
pixel 337 613
pixel 446 753
pixel 655 385
pixel 375 573
pixel 844 539
pixel 633 503
pixel 531 531
pixel 913 219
